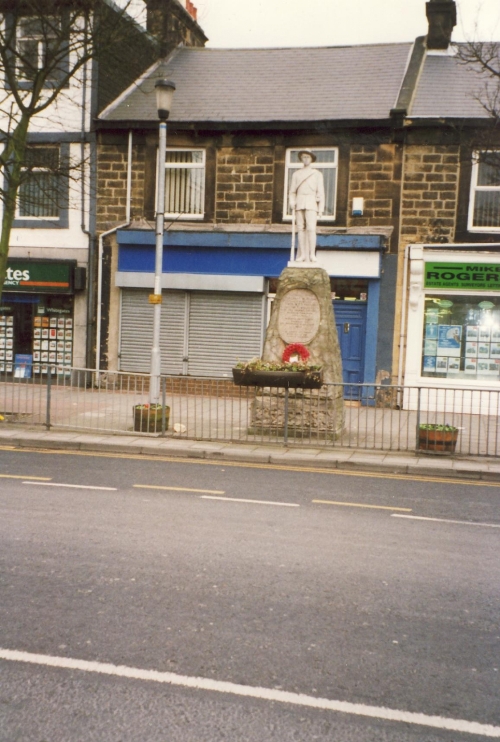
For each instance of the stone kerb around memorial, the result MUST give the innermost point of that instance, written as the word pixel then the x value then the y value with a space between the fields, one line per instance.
pixel 302 313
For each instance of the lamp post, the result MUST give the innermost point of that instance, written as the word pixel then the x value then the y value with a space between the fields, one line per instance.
pixel 164 94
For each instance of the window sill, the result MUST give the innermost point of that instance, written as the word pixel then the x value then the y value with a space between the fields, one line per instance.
pixel 40 224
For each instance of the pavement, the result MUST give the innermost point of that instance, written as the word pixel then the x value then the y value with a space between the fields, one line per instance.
pixel 431 465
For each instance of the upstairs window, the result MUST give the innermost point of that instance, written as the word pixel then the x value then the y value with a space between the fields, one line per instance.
pixel 42 193
pixel 484 209
pixel 185 183
pixel 41 43
pixel 327 163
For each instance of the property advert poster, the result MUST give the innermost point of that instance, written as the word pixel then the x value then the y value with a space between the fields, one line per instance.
pixel 449 340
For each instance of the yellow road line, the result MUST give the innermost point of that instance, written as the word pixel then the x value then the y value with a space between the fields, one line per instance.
pixel 177 489
pixel 360 505
pixel 22 476
pixel 247 465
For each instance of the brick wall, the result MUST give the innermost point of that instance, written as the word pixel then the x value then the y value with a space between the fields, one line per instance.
pixel 375 175
pixel 430 192
pixel 112 183
pixel 244 185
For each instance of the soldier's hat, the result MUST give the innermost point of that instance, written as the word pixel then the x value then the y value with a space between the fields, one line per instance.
pixel 306 152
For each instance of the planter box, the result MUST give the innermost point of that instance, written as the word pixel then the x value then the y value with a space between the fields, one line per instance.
pixel 148 420
pixel 281 379
pixel 437 441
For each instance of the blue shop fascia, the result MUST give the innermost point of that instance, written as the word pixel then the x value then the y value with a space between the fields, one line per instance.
pixel 218 285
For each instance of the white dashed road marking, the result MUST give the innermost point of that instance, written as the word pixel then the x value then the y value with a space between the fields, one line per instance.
pixel 265 694
pixel 445 520
pixel 256 502
pixel 73 486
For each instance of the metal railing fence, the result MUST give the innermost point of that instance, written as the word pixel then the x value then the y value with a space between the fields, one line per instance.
pixel 372 417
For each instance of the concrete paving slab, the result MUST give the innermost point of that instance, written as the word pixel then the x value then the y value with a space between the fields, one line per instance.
pixel 402 462
pixel 55 443
pixel 111 448
pixel 165 452
pixel 431 471
pixel 342 454
pixel 363 463
pixel 434 463
pixel 493 477
pixel 293 459
pixel 200 445
pixel 257 456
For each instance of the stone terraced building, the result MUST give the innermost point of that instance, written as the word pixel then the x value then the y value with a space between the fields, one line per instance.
pixel 407 152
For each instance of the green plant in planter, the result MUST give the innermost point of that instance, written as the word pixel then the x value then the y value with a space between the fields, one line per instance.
pixel 148 417
pixel 292 372
pixel 257 364
pixel 437 437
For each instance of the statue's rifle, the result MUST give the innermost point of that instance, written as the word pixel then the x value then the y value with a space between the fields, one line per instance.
pixel 292 249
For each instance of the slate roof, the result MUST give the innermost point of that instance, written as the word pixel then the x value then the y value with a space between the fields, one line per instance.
pixel 267 85
pixel 448 88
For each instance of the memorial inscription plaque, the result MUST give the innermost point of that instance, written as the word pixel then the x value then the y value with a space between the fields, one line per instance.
pixel 299 316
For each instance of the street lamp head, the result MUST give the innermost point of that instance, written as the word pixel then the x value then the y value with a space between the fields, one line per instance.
pixel 164 94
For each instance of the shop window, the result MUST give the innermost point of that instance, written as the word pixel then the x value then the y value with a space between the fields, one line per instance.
pixel 461 338
pixel 484 212
pixel 185 183
pixel 327 164
pixel 42 195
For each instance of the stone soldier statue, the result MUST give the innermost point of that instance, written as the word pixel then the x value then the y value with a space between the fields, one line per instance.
pixel 307 200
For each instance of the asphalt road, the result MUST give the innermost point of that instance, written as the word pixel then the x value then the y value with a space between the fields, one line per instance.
pixel 170 580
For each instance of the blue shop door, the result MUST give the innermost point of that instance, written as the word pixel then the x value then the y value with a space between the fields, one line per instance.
pixel 350 319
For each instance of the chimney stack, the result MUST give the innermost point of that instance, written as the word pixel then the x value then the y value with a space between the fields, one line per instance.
pixel 442 17
pixel 173 22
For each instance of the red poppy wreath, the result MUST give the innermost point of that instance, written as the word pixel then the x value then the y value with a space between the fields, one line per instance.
pixel 295 349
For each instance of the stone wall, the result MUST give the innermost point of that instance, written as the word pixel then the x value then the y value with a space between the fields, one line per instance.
pixel 244 185
pixel 112 183
pixel 428 209
pixel 430 193
pixel 375 175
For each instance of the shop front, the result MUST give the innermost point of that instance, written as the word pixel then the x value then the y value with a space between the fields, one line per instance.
pixel 217 293
pixel 37 318
pixel 454 318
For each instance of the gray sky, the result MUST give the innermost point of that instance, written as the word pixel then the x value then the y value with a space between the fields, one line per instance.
pixel 271 23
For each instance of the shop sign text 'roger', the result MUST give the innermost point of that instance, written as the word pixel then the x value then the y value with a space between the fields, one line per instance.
pixel 463 276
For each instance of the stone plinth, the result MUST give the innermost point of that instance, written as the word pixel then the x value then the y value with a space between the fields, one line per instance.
pixel 303 313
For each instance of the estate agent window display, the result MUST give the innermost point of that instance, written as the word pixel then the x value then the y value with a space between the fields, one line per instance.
pixel 461 327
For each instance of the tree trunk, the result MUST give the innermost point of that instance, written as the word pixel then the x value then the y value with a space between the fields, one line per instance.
pixel 13 157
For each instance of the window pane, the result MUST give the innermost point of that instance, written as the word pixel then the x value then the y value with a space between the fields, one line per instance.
pixel 184 156
pixel 487 209
pixel 461 337
pixel 322 155
pixel 185 191
pixel 28 58
pixel 489 169
pixel 329 180
pixel 38 196
pixel 46 157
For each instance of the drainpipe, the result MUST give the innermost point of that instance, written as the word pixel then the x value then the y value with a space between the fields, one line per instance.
pixel 402 333
pixel 100 255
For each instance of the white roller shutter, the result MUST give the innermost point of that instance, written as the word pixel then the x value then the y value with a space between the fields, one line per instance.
pixel 223 327
pixel 136 332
